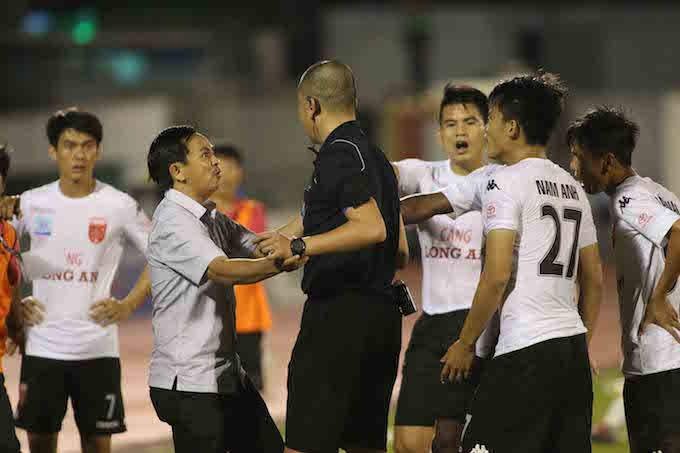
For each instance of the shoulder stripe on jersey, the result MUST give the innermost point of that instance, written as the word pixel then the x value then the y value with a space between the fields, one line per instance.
pixel 363 164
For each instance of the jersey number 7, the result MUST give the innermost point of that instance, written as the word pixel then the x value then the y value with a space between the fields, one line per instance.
pixel 548 265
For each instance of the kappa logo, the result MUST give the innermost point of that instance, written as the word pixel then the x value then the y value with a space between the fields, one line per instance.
pixel 491 185
pixel 624 201
pixel 479 449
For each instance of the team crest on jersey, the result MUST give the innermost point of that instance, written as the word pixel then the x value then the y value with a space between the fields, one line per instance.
pixel 96 231
pixel 42 225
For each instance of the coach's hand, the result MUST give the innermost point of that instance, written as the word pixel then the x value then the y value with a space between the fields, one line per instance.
pixel 274 245
pixel 457 362
pixel 110 311
pixel 660 312
pixel 9 206
pixel 32 311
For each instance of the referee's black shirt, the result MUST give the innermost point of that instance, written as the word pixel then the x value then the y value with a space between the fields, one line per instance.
pixel 348 171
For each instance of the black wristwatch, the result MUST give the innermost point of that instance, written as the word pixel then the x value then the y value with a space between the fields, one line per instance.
pixel 298 247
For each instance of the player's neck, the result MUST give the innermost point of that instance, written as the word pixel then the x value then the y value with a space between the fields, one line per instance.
pixel 619 176
pixel 77 189
pixel 332 122
pixel 464 168
pixel 525 152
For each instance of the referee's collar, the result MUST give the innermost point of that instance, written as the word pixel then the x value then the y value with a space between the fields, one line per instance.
pixel 347 129
pixel 185 201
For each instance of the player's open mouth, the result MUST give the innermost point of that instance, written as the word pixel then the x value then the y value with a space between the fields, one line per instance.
pixel 461 145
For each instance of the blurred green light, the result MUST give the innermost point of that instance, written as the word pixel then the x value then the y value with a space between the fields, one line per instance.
pixel 84 32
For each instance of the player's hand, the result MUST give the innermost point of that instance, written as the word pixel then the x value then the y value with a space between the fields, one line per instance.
pixel 110 311
pixel 32 311
pixel 15 343
pixel 594 366
pixel 660 312
pixel 291 264
pixel 457 362
pixel 9 206
pixel 274 245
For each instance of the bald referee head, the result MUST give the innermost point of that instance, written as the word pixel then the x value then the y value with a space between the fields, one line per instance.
pixel 327 96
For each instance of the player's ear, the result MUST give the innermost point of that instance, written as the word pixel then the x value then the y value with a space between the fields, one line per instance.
pixel 512 129
pixel 52 151
pixel 100 149
pixel 607 162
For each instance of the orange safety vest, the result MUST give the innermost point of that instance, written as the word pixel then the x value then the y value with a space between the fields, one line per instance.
pixel 7 264
pixel 252 308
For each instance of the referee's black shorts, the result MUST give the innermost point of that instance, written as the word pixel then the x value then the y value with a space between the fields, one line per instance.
pixel 341 373
pixel 423 397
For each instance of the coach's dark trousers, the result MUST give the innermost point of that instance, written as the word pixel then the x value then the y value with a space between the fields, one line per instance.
pixel 214 423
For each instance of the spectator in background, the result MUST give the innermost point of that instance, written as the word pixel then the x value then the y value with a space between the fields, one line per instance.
pixel 10 320
pixel 253 316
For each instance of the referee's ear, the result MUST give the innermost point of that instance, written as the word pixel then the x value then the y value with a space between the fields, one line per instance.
pixel 315 106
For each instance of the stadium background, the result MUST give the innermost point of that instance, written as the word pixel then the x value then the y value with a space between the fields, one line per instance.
pixel 230 69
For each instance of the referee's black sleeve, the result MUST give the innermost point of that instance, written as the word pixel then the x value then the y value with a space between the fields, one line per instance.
pixel 343 175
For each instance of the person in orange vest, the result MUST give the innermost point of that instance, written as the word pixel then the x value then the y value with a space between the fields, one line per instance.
pixel 10 318
pixel 253 315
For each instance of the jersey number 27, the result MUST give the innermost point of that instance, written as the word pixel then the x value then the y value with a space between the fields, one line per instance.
pixel 548 265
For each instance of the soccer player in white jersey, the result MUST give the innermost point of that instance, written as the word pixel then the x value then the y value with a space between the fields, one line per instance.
pixel 78 225
pixel 451 259
pixel 646 243
pixel 540 249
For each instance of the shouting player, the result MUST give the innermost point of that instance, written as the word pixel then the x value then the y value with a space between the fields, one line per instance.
pixel 451 257
pixel 541 247
pixel 646 240
pixel 77 224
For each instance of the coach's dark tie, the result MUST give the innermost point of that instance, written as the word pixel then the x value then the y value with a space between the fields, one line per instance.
pixel 209 222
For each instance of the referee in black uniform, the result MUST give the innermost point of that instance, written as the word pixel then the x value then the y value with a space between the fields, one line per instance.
pixel 344 363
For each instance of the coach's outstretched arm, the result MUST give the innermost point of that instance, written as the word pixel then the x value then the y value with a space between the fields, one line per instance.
pixel 240 271
pixel 365 226
pixel 590 281
pixel 420 207
pixel 659 311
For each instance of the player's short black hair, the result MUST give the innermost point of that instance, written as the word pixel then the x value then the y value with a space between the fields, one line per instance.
pixel 534 101
pixel 166 149
pixel 4 160
pixel 72 118
pixel 605 130
pixel 463 94
pixel 229 151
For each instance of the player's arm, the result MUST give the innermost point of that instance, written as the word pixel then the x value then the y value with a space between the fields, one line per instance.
pixel 590 281
pixel 112 310
pixel 659 310
pixel 420 207
pixel 402 252
pixel 488 297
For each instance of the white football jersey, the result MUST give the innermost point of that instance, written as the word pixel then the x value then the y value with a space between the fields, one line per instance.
pixel 450 248
pixel 82 240
pixel 642 214
pixel 551 214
